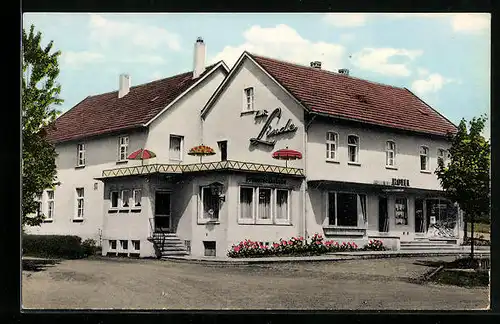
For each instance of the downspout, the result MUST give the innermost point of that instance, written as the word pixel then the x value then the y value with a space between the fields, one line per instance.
pixel 304 194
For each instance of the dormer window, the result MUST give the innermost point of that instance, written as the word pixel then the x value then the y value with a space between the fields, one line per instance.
pixel 249 99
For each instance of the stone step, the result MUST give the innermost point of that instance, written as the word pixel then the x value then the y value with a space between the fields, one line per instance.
pixel 429 248
pixel 172 248
pixel 425 244
pixel 170 253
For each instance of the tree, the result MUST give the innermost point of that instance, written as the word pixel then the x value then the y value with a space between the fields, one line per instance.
pixel 39 95
pixel 466 178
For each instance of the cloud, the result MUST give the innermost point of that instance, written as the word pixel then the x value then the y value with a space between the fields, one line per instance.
pixel 471 22
pixel 422 72
pixel 345 20
pixel 432 84
pixel 283 42
pixel 145 59
pixel 109 33
pixel 377 60
pixel 77 60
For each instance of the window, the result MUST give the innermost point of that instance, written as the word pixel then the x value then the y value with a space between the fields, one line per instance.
pixel 246 203
pixel 442 155
pixel 112 244
pixel 282 211
pixel 137 197
pixel 50 204
pixel 136 245
pixel 124 244
pixel 424 158
pixel 125 198
pixel 353 148
pixel 249 99
pixel 122 148
pixel 210 249
pixel 80 156
pixel 176 147
pixel 223 150
pixel 346 209
pixel 79 202
pixel 264 204
pixel 331 146
pixel 114 199
pixel 271 206
pixel 401 211
pixel 390 153
pixel 210 203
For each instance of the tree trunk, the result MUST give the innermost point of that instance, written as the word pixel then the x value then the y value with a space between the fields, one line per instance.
pixel 465 230
pixel 472 237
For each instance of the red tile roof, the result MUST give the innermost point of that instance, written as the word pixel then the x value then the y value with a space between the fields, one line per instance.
pixel 106 113
pixel 343 96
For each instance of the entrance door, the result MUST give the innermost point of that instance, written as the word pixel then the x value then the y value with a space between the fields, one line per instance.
pixel 420 221
pixel 162 211
pixel 383 216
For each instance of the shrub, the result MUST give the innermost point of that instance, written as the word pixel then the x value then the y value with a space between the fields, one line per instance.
pixel 477 242
pixel 374 245
pixel 89 247
pixel 294 246
pixel 59 246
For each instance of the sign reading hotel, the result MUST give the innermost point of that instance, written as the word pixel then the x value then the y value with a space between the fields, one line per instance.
pixel 270 131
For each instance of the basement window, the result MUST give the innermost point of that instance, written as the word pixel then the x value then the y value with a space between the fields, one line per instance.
pixel 112 244
pixel 209 248
pixel 124 244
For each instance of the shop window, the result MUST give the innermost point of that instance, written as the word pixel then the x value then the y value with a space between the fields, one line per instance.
pixel 346 209
pixel 401 211
pixel 137 198
pixel 282 207
pixel 264 204
pixel 246 203
pixel 270 206
pixel 209 248
pixel 114 199
pixel 125 198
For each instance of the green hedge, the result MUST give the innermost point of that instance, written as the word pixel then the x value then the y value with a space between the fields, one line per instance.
pixel 59 246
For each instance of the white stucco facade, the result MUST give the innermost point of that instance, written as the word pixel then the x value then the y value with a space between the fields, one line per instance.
pixel 274 120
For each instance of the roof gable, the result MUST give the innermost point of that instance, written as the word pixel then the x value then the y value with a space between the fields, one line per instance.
pixel 106 113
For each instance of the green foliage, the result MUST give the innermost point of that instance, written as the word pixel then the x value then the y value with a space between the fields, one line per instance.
pixel 56 246
pixel 39 94
pixel 89 247
pixel 466 179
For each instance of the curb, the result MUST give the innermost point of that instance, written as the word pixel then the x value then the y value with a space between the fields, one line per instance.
pixel 341 256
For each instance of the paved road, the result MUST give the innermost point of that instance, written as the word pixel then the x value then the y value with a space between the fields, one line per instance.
pixel 153 284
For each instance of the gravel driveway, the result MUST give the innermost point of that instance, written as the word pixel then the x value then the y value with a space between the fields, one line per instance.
pixel 153 284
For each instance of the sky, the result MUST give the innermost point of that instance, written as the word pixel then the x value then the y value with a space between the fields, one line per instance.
pixel 442 58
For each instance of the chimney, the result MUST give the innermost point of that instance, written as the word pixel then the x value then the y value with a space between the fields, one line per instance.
pixel 199 58
pixel 316 65
pixel 124 85
pixel 344 71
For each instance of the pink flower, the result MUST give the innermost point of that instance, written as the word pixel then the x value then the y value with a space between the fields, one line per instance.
pixel 301 238
pixel 283 242
pixel 236 249
pixel 290 242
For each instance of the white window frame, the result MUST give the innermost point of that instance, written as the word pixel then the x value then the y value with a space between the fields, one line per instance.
pixel 275 205
pixel 111 199
pixel 133 245
pixel 445 157
pixel 201 217
pixel 80 154
pixel 78 198
pixel 181 139
pixel 110 245
pixel 255 220
pixel 122 201
pixel 259 220
pixel 39 200
pixel 242 220
pixel 357 149
pixel 121 245
pixel 249 99
pixel 388 151
pixel 134 194
pixel 50 205
pixel 125 146
pixel 427 159
pixel 329 144
pixel 358 198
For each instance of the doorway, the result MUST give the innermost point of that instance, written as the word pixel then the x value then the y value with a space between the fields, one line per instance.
pixel 163 219
pixel 383 216
pixel 420 221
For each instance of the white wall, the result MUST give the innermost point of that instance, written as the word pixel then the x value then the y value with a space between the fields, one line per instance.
pixel 371 156
pixel 182 119
pixel 225 122
pixel 101 153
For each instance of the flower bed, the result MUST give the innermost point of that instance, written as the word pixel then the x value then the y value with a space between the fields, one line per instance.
pixel 298 246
